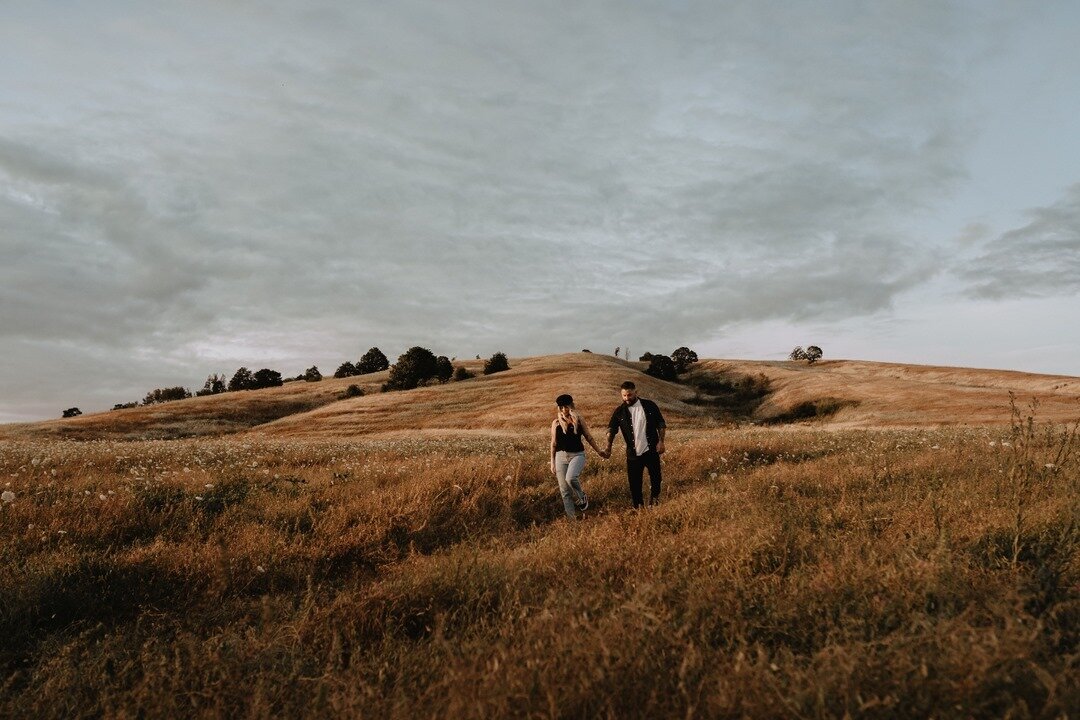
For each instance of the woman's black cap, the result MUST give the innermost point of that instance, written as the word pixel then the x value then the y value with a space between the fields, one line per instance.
pixel 564 400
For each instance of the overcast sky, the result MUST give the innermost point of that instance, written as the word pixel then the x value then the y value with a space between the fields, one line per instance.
pixel 186 188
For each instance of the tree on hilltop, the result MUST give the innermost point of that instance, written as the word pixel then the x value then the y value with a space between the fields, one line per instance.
pixel 683 358
pixel 415 366
pixel 242 379
pixel 266 377
pixel 214 385
pixel 496 363
pixel 444 369
pixel 373 361
pixel 72 412
pixel 346 369
pixel 663 367
pixel 161 395
pixel 811 354
pixel 312 374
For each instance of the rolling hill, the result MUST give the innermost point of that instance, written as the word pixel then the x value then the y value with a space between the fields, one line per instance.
pixel 833 393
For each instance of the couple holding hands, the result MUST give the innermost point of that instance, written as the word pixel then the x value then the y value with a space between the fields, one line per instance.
pixel 642 427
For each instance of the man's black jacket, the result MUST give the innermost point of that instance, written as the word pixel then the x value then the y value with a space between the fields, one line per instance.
pixel 620 420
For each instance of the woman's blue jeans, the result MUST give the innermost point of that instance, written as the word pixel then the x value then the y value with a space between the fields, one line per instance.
pixel 568 467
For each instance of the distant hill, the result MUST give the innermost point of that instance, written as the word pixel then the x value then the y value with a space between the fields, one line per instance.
pixel 833 393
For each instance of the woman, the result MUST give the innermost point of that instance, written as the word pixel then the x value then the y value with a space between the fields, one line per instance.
pixel 568 454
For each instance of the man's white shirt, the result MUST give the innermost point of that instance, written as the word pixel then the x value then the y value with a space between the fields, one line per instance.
pixel 637 421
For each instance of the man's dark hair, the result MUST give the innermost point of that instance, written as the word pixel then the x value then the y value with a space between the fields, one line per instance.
pixel 628 385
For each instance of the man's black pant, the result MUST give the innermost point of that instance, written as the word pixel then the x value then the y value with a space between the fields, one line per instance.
pixel 635 472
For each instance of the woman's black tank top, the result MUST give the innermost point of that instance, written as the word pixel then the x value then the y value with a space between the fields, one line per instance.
pixel 570 442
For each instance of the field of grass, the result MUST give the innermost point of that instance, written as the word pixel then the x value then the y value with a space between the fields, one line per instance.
pixel 788 572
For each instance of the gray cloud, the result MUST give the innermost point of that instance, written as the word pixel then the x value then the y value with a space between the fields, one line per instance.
pixel 184 189
pixel 1040 259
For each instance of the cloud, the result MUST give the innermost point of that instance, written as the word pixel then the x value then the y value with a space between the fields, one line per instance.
pixel 187 184
pixel 1040 259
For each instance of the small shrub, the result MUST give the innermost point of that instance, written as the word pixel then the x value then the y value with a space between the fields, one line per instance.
pixel 352 391
pixel 125 406
pixel 72 412
pixel 461 373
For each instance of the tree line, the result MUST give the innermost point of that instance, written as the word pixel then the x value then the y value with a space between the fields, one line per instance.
pixel 416 367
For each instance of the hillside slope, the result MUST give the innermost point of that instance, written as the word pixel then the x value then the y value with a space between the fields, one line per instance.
pixel 844 393
pixel 875 394
pixel 520 399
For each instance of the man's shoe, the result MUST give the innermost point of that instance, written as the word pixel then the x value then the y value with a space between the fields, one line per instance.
pixel 583 504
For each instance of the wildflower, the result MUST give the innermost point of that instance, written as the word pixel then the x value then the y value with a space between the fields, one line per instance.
pixel 1050 466
pixel 209 486
pixel 198 497
pixel 260 568
pixel 712 476
pixel 103 497
pixel 7 496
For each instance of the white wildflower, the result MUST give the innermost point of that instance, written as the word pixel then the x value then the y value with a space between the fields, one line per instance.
pixel 260 568
pixel 198 497
pixel 103 497
pixel 7 496
pixel 209 486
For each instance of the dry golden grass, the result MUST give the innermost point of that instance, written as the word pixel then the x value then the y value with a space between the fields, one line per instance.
pixel 788 572
pixel 870 395
pixel 894 395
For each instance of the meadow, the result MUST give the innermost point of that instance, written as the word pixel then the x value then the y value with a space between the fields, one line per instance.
pixel 422 566
pixel 788 573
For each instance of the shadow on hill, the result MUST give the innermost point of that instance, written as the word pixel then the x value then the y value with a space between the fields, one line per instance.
pixel 728 395
pixel 732 396
pixel 809 410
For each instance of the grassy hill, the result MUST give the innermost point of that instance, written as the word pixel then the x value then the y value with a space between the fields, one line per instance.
pixel 837 393
pixel 406 555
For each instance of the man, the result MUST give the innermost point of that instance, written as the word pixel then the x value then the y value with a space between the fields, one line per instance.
pixel 643 430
